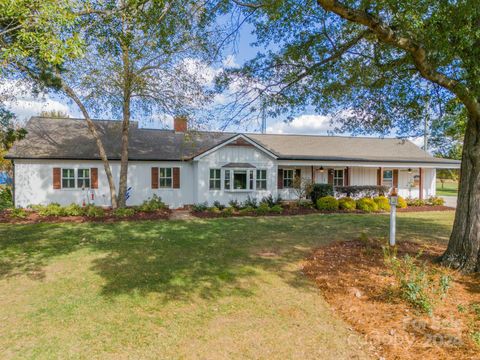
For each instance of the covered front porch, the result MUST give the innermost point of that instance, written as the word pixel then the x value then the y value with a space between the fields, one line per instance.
pixel 413 180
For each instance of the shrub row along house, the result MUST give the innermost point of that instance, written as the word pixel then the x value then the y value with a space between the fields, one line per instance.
pixel 58 162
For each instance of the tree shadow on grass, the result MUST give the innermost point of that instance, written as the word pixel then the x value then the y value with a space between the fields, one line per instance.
pixel 207 258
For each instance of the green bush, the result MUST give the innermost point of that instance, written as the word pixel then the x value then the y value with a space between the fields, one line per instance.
pixel 52 209
pixel 200 207
pixel 415 202
pixel 347 204
pixel 401 203
pixel 94 211
pixel 235 204
pixel 218 205
pixel 328 203
pixel 228 211
pixel 214 210
pixel 73 210
pixel 247 211
pixel 320 190
pixel 382 203
pixel 435 201
pixel 367 205
pixel 306 204
pixel 250 202
pixel 124 212
pixel 263 209
pixel 276 209
pixel 19 213
pixel 6 197
pixel 153 204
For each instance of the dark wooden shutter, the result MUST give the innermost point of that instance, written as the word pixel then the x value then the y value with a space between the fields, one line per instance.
pixel 330 176
pixel 154 177
pixel 346 176
pixel 395 178
pixel 57 179
pixel 94 178
pixel 280 179
pixel 379 176
pixel 298 173
pixel 176 178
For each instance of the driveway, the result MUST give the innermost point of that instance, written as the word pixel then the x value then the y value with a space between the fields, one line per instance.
pixel 450 201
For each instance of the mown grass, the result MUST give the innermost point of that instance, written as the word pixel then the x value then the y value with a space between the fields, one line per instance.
pixel 448 188
pixel 220 288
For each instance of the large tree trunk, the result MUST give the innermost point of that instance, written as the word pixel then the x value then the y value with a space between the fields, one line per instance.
pixel 463 250
pixel 122 187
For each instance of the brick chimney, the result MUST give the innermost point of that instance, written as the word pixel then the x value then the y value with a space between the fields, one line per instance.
pixel 180 123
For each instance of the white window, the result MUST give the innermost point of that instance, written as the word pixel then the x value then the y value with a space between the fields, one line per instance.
pixel 215 179
pixel 227 181
pixel 239 179
pixel 387 178
pixel 261 180
pixel 68 178
pixel 83 178
pixel 338 177
pixel 165 177
pixel 288 178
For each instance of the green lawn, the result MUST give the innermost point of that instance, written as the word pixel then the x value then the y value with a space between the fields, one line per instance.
pixel 449 188
pixel 221 288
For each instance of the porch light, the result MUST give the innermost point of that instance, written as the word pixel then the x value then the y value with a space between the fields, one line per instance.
pixel 409 170
pixel 321 169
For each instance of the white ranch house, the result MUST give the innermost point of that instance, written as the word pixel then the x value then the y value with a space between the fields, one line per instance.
pixel 58 162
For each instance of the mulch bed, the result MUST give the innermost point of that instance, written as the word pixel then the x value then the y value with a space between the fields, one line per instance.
pixel 34 217
pixel 355 282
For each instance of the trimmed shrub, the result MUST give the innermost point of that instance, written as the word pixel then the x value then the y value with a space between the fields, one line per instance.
pixel 401 203
pixel 214 210
pixel 367 205
pixel 414 202
pixel 124 212
pixel 18 213
pixel 263 209
pixel 359 191
pixel 306 204
pixel 276 209
pixel 94 211
pixel 435 201
pixel 247 211
pixel 328 203
pixel 153 204
pixel 200 207
pixel 347 204
pixel 382 203
pixel 52 209
pixel 320 190
pixel 228 211
pixel 73 210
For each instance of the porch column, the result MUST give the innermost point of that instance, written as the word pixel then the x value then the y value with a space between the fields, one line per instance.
pixel 420 183
pixel 347 176
pixel 379 176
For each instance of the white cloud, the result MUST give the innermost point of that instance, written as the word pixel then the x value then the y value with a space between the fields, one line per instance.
pixel 303 124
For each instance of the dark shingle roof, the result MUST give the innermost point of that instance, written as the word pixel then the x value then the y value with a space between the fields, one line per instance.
pixel 52 138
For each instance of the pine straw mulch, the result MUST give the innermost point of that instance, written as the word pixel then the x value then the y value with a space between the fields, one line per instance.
pixel 355 281
pixel 34 217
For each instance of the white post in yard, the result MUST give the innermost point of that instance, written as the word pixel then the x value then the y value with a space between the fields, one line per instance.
pixel 393 215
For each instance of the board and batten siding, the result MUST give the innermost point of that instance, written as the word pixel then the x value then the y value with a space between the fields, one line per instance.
pixel 34 183
pixel 233 154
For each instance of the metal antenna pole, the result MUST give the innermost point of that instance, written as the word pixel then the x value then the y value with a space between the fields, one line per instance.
pixel 264 122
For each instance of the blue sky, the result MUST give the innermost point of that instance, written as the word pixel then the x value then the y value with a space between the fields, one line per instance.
pixel 243 50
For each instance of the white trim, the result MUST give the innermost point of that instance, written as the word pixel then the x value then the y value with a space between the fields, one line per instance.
pixel 239 136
